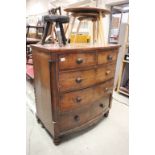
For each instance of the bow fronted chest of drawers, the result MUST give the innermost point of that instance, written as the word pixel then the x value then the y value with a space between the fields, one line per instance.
pixel 73 85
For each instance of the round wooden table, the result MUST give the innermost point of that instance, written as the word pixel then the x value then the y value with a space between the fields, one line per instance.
pixel 87 13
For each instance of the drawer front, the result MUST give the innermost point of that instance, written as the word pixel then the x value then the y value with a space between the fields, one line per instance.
pixel 107 57
pixel 76 80
pixel 77 99
pixel 105 73
pixel 78 117
pixel 69 61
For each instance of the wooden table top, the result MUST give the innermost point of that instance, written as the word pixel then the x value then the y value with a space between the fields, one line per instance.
pixel 54 48
pixel 87 10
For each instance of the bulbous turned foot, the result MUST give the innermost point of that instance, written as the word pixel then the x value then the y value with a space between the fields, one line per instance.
pixel 106 114
pixel 38 120
pixel 57 140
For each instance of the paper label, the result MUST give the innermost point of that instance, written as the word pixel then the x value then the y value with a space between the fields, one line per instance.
pixel 62 59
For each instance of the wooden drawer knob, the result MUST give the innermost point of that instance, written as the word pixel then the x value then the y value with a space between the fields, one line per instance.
pixel 76 118
pixel 101 105
pixel 109 57
pixel 78 99
pixel 108 90
pixel 79 60
pixel 108 72
pixel 78 80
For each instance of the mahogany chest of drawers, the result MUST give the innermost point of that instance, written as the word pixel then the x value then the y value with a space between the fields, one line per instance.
pixel 73 85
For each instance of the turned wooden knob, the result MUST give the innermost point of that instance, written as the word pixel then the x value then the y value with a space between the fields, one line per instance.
pixel 78 80
pixel 76 118
pixel 106 89
pixel 108 72
pixel 101 105
pixel 79 60
pixel 109 57
pixel 78 99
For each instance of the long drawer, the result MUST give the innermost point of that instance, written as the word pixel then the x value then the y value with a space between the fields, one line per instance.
pixel 78 117
pixel 74 80
pixel 77 99
pixel 69 61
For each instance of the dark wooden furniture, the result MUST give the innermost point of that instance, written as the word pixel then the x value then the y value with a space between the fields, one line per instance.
pixel 73 85
pixel 59 20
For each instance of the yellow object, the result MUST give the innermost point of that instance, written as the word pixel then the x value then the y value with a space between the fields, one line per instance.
pixel 80 38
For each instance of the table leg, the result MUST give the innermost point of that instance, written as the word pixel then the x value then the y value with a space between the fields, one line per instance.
pixel 77 31
pixel 101 28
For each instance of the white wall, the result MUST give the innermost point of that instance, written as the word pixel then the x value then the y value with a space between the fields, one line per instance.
pixel 115 2
pixel 34 7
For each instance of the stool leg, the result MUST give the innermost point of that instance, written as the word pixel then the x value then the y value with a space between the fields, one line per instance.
pixel 97 30
pixel 94 34
pixel 58 32
pixel 45 32
pixel 78 28
pixel 62 34
pixel 52 32
pixel 70 31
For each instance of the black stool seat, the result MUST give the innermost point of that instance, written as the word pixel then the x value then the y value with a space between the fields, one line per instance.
pixel 56 18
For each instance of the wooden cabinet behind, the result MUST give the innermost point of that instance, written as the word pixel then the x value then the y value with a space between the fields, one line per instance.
pixel 73 86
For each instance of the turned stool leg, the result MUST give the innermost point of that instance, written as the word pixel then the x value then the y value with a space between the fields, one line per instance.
pixel 45 32
pixel 94 32
pixel 71 28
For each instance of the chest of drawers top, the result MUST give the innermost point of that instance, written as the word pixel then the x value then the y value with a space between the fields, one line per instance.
pixel 54 48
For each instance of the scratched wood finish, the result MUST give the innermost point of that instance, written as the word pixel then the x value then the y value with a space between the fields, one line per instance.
pixel 81 79
pixel 77 60
pixel 72 93
pixel 107 57
pixel 76 99
pixel 81 116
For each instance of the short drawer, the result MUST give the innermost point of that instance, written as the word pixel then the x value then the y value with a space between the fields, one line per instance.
pixel 107 57
pixel 76 80
pixel 69 61
pixel 76 118
pixel 77 99
pixel 105 73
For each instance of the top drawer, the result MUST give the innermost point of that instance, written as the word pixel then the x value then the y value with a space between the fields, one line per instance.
pixel 69 61
pixel 107 56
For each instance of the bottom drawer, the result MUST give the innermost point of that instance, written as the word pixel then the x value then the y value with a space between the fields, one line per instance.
pixel 78 117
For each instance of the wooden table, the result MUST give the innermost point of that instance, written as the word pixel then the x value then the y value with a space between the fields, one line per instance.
pixel 93 13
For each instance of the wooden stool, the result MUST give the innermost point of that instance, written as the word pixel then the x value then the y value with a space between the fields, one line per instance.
pixel 89 13
pixel 59 20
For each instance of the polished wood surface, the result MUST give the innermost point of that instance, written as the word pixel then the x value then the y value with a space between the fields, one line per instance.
pixel 75 48
pixel 107 57
pixel 87 10
pixel 73 86
pixel 77 60
pixel 76 99
pixel 82 79
pixel 81 116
